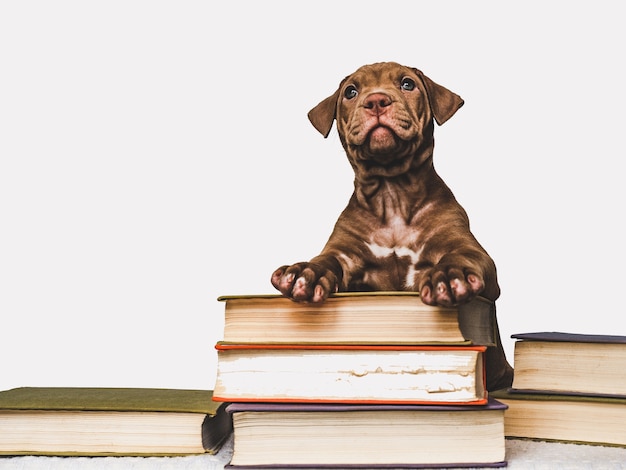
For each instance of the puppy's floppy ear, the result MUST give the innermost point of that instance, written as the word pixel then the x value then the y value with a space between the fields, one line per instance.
pixel 443 102
pixel 323 115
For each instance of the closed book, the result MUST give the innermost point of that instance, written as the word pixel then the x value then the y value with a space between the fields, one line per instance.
pixel 111 421
pixel 350 373
pixel 564 418
pixel 356 317
pixel 366 436
pixel 567 363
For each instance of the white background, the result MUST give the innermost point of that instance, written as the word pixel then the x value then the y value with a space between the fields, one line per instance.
pixel 156 154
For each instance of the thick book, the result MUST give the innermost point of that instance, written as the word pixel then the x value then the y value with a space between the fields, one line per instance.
pixel 356 317
pixel 350 373
pixel 111 421
pixel 567 363
pixel 366 436
pixel 564 418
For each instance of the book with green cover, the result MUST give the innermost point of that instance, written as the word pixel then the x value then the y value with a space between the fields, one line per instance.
pixel 385 317
pixel 111 421
pixel 564 418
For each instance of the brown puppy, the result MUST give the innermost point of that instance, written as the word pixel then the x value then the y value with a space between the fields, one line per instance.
pixel 402 229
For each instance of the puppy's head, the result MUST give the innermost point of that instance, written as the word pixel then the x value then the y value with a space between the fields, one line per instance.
pixel 384 115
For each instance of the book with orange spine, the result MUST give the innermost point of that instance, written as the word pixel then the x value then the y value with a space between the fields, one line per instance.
pixel 348 373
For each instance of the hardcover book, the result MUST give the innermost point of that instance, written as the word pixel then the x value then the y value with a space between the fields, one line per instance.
pixel 566 363
pixel 354 436
pixel 111 421
pixel 356 317
pixel 350 373
pixel 564 418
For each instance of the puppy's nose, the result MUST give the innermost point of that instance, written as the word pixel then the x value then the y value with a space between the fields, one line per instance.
pixel 376 103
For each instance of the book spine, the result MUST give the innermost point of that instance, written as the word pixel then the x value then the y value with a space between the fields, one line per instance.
pixel 224 346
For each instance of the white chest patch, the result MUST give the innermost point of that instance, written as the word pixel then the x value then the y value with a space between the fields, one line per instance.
pixel 400 251
pixel 394 241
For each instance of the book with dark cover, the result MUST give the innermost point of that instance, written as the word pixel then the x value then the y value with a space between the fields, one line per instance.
pixel 111 421
pixel 570 363
pixel 559 336
pixel 296 435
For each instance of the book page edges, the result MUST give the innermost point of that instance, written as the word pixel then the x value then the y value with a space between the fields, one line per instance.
pixel 476 319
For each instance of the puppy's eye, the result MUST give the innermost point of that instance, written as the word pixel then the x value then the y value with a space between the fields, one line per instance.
pixel 407 84
pixel 350 92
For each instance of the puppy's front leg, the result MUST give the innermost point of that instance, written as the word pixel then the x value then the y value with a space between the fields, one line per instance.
pixel 311 281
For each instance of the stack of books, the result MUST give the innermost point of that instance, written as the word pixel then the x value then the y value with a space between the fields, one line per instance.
pixel 363 380
pixel 568 388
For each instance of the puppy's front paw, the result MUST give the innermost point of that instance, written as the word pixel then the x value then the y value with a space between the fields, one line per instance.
pixel 305 282
pixel 448 286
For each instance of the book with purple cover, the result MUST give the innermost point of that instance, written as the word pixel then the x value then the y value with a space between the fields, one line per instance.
pixel 570 364
pixel 308 435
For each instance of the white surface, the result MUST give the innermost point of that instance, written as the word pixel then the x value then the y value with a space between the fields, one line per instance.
pixel 157 154
pixel 520 454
